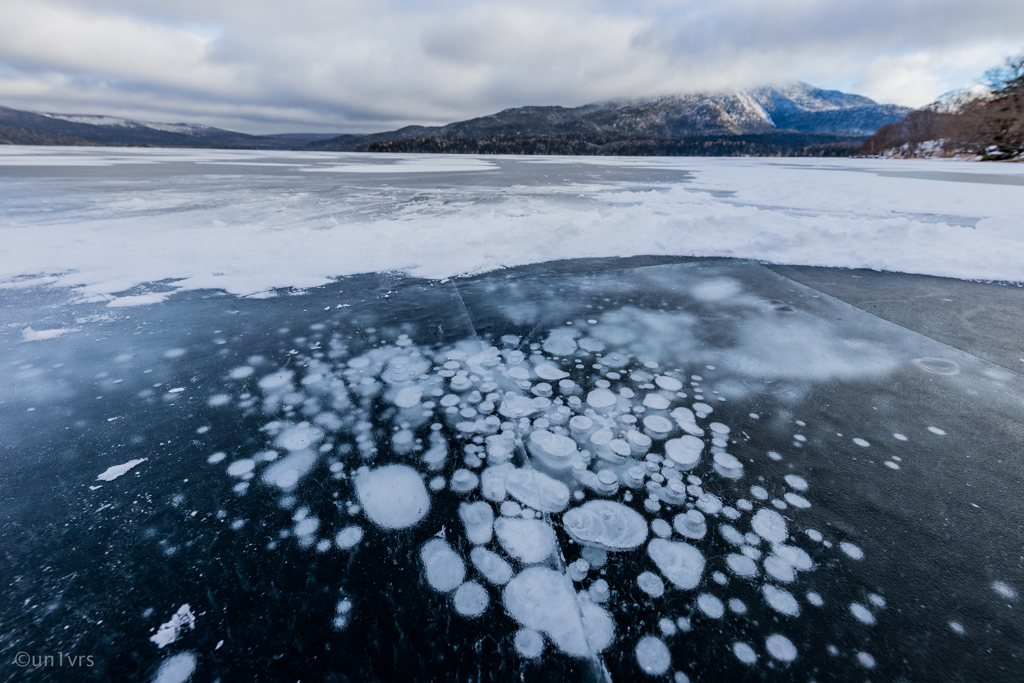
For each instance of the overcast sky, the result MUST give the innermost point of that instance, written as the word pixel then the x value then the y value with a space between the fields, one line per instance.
pixel 270 66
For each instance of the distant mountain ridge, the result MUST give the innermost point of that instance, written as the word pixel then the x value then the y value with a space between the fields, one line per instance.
pixel 766 120
pixel 798 107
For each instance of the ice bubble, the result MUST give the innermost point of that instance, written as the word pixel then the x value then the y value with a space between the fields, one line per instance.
pixel 529 643
pixel 684 451
pixel 241 372
pixel 607 525
pixel 861 442
pixel 657 427
pixel 444 568
pixel 759 492
pixel 865 660
pixel 744 653
pixel 936 430
pixel 599 591
pixel 661 528
pixel 730 534
pixel 741 565
pixel 549 372
pixel 241 467
pixel 277 382
pixel 348 537
pixel 668 383
pixel 709 504
pixel 795 557
pixel 464 481
pixel 491 566
pixel 854 552
pixel 796 482
pixel 769 525
pixel 653 656
pixel 651 584
pixel 537 490
pixel 667 627
pixel 175 669
pixel 543 600
pixel 601 400
pixel 656 402
pixel 528 540
pixel 876 600
pixel 957 628
pixel 552 449
pixel 815 599
pixel 470 599
pixel 728 466
pixel 862 613
pixel 492 482
pixel 408 397
pixel 815 535
pixel 216 457
pixel 478 518
pixel 797 501
pixel 393 496
pixel 286 472
pixel 899 437
pixel 779 568
pixel 1004 590
pixel 680 677
pixel 690 524
pixel 680 563
pixel 299 437
pixel 687 422
pixel 781 600
pixel 736 606
pixel 710 605
pixel 780 647
pixel 702 409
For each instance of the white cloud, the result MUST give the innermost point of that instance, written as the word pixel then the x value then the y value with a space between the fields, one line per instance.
pixel 263 65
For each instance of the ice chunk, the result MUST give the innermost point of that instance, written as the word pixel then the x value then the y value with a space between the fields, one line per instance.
pixel 537 490
pixel 471 599
pixel 550 372
pixel 781 600
pixel 605 524
pixel 527 540
pixel 491 565
pixel 444 568
pixel 681 563
pixel 769 525
pixel 553 450
pixel 393 496
pixel 170 630
pixel 478 519
pixel 543 600
pixel 112 473
pixel 176 669
pixel 653 656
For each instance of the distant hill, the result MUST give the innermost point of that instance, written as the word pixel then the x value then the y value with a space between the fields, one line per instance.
pixel 796 108
pixel 31 128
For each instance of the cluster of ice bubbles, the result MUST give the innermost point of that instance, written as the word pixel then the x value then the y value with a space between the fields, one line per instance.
pixel 624 465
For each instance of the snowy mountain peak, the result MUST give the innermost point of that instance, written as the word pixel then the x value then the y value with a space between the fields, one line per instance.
pixel 118 122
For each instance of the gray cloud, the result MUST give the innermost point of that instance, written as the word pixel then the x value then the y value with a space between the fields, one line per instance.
pixel 354 65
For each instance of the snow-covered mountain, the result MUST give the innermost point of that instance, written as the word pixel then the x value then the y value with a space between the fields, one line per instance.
pixel 192 129
pixel 796 107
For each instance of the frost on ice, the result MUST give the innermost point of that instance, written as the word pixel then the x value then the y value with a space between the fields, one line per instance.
pixel 171 629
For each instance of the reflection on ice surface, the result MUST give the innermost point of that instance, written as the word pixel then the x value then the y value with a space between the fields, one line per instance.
pixel 603 477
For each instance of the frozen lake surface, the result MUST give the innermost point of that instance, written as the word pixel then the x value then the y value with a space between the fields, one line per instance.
pixel 663 468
